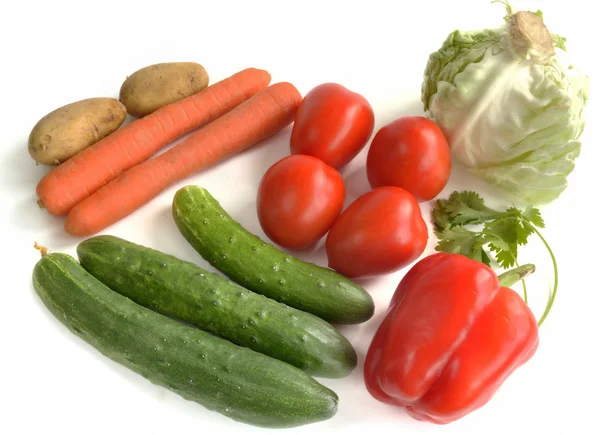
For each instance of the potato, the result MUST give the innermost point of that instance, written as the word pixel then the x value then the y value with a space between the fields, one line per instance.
pixel 158 85
pixel 69 129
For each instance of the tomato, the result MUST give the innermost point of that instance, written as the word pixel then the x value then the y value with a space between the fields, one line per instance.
pixel 411 153
pixel 380 232
pixel 332 124
pixel 299 198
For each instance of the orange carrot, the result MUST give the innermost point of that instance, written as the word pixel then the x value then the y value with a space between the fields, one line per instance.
pixel 84 173
pixel 258 118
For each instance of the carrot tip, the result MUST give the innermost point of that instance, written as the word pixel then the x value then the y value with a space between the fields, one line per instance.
pixel 43 250
pixel 40 204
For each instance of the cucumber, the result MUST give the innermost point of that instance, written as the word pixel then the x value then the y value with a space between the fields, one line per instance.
pixel 235 381
pixel 263 268
pixel 183 290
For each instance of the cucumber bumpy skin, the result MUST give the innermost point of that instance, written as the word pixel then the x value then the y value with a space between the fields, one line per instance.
pixel 183 290
pixel 263 268
pixel 235 381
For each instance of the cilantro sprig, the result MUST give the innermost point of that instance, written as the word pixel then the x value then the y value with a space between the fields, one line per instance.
pixel 499 233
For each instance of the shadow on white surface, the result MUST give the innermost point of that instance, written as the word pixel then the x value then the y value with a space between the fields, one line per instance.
pixel 164 236
pixel 246 214
pixel 99 365
pixel 25 213
pixel 24 170
pixel 357 184
pixel 388 111
pixel 49 229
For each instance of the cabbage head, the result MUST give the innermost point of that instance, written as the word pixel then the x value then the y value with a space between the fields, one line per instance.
pixel 512 113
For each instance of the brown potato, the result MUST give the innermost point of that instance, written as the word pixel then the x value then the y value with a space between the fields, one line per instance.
pixel 69 129
pixel 158 85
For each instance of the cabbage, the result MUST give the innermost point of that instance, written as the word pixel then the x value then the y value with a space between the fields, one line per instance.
pixel 511 111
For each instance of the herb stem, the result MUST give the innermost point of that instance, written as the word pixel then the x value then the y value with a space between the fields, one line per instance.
pixel 555 288
pixel 524 286
pixel 522 281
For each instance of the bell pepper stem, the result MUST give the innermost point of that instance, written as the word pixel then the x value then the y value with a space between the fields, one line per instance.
pixel 515 275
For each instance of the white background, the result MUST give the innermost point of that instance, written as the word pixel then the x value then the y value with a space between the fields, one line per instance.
pixel 56 52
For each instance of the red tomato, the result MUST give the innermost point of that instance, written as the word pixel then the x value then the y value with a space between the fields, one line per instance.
pixel 332 124
pixel 299 198
pixel 411 153
pixel 381 232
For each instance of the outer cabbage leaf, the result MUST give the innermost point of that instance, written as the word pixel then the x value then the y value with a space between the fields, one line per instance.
pixel 510 120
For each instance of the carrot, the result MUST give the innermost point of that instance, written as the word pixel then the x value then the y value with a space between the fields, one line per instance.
pixel 254 120
pixel 84 173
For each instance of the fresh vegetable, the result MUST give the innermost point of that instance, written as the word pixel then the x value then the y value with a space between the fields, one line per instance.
pixel 502 232
pixel 154 86
pixel 412 153
pixel 86 172
pixel 254 120
pixel 298 200
pixel 261 267
pixel 183 290
pixel 68 130
pixel 380 232
pixel 333 124
pixel 452 335
pixel 235 381
pixel 510 106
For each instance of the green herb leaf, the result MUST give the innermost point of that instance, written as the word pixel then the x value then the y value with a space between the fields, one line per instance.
pixel 480 255
pixel 534 216
pixel 460 240
pixel 503 228
pixel 467 207
pixel 505 253
pixel 441 219
pixel 524 230
pixel 502 232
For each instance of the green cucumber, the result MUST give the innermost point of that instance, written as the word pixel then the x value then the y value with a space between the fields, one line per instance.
pixel 263 268
pixel 235 381
pixel 183 290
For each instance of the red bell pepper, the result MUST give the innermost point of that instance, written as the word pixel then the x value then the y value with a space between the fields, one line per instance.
pixel 451 336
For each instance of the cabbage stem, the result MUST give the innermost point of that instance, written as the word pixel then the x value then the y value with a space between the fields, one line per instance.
pixel 530 37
